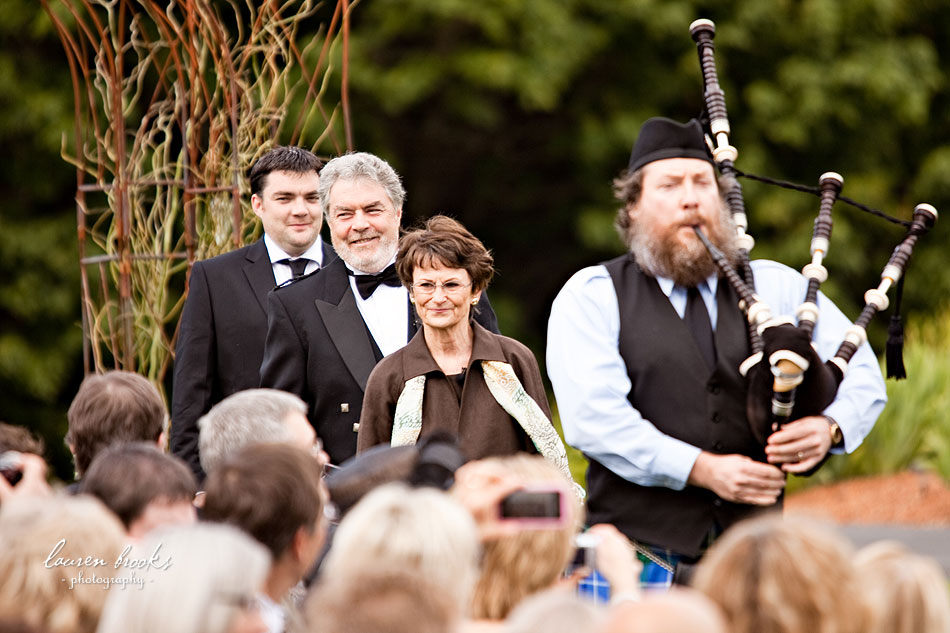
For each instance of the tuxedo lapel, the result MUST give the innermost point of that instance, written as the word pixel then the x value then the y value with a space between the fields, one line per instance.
pixel 259 273
pixel 328 254
pixel 345 324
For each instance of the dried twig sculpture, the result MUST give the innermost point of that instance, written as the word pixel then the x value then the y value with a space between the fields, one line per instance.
pixel 173 101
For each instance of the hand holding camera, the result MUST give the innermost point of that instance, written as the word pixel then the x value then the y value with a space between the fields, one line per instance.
pixel 24 474
pixel 617 560
pixel 607 565
pixel 503 504
pixel 480 487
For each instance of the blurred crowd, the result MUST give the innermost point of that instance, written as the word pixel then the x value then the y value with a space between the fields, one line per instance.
pixel 408 538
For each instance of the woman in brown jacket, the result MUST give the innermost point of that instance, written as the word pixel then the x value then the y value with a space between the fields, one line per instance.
pixel 454 375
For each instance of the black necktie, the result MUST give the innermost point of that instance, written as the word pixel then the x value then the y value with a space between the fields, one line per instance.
pixel 297 266
pixel 697 320
pixel 367 284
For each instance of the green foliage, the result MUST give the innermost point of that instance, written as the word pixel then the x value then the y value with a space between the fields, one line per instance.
pixel 173 103
pixel 914 429
pixel 575 458
pixel 152 133
pixel 531 49
pixel 40 333
pixel 516 116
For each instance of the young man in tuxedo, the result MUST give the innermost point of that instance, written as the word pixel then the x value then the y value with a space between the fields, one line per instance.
pixel 224 321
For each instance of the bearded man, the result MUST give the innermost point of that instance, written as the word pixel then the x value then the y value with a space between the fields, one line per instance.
pixel 643 352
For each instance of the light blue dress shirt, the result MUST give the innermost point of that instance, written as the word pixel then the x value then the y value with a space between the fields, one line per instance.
pixel 591 382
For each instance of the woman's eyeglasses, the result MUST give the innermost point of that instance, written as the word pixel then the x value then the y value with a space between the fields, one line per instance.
pixel 426 288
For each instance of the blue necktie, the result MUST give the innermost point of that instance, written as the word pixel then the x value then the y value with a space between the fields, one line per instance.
pixel 697 320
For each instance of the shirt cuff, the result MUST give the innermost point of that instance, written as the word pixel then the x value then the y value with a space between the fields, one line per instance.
pixel 838 411
pixel 674 462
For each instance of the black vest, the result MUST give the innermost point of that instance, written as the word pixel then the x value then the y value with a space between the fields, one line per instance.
pixel 673 388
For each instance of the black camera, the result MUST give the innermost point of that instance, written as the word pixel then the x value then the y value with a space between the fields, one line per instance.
pixel 539 507
pixel 11 466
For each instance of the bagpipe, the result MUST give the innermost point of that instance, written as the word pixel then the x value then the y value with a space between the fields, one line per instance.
pixel 787 379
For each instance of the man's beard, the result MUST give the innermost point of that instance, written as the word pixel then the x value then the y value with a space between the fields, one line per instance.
pixel 687 264
pixel 369 262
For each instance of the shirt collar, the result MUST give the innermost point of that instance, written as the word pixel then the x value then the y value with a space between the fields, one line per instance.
pixel 418 360
pixel 276 253
pixel 709 286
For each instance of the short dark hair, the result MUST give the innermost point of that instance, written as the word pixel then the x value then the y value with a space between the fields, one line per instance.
pixel 268 490
pixel 20 439
pixel 281 158
pixel 128 477
pixel 444 241
pixel 117 406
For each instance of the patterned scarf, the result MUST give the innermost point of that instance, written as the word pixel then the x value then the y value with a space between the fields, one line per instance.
pixel 511 396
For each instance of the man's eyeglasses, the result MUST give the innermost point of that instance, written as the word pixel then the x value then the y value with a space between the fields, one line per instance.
pixel 426 288
pixel 322 458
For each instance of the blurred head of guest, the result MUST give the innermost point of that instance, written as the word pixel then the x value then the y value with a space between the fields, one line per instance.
pixel 274 493
pixel 253 416
pixel 905 592
pixel 20 439
pixel 44 545
pixel 22 468
pixel 554 611
pixel 18 625
pixel 680 610
pixel 117 406
pixel 382 600
pixel 518 565
pixel 420 530
pixel 778 574
pixel 144 487
pixel 208 586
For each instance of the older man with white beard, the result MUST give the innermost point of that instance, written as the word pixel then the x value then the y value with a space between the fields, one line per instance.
pixel 643 352
pixel 326 332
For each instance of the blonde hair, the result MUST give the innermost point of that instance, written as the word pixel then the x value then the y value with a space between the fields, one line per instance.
pixel 35 589
pixel 905 592
pixel 386 599
pixel 783 575
pixel 213 568
pixel 678 610
pixel 516 566
pixel 423 530
pixel 554 611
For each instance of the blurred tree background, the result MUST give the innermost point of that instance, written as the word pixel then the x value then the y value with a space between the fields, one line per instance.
pixel 514 117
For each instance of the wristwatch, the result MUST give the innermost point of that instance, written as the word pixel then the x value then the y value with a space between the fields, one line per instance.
pixel 837 438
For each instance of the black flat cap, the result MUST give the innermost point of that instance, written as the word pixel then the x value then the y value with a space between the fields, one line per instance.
pixel 662 138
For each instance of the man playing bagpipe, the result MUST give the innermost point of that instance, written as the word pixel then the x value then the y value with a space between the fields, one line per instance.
pixel 644 354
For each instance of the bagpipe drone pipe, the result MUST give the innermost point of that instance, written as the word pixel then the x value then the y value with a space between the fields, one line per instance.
pixel 787 379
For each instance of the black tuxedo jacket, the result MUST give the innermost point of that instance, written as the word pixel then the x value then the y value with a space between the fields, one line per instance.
pixel 319 347
pixel 220 338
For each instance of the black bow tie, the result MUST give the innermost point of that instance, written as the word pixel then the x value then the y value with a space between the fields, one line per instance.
pixel 367 284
